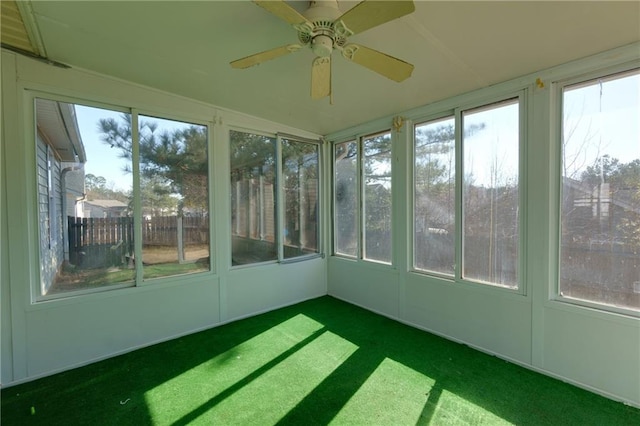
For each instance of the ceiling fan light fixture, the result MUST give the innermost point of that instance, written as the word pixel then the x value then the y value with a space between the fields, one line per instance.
pixel 322 45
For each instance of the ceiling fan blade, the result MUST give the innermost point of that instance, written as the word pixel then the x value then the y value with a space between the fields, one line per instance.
pixel 369 14
pixel 283 11
pixel 388 66
pixel 267 55
pixel 321 77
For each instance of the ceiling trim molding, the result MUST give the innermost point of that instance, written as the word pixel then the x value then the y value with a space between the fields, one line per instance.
pixel 31 26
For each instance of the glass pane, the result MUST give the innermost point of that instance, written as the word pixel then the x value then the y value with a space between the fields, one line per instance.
pixel 490 198
pixel 600 211
pixel 434 192
pixel 253 200
pixel 84 197
pixel 345 200
pixel 174 193
pixel 377 198
pixel 300 181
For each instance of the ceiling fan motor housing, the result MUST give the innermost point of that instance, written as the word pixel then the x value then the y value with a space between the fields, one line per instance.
pixel 322 11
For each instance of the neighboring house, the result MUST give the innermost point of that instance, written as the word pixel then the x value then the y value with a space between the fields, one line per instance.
pixel 60 167
pixel 105 208
pixel 600 214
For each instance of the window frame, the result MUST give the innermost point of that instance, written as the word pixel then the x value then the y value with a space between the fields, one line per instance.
pixel 276 200
pixel 411 228
pixel 556 186
pixel 279 198
pixel 30 97
pixel 457 278
pixel 360 194
pixel 334 228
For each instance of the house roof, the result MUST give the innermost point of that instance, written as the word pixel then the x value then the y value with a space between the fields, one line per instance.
pixel 107 204
pixel 624 198
pixel 57 121
pixel 456 47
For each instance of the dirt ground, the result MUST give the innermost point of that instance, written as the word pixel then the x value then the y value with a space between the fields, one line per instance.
pixel 162 254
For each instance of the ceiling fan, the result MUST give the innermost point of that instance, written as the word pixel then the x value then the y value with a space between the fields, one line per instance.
pixel 325 28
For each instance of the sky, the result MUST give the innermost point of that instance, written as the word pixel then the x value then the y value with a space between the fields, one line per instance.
pixel 602 123
pixel 102 160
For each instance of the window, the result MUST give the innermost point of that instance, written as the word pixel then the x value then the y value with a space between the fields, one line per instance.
pixel 87 198
pixel 434 196
pixel 377 197
pixel 174 195
pixel 476 239
pixel 300 172
pixel 345 199
pixel 600 187
pixel 490 196
pixel 368 162
pixel 253 198
pixel 255 185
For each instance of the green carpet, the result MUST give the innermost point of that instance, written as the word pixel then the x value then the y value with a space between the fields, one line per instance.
pixel 319 362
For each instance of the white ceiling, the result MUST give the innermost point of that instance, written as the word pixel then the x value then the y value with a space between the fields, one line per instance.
pixel 185 48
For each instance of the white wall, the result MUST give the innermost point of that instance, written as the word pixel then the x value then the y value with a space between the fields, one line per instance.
pixel 40 338
pixel 592 348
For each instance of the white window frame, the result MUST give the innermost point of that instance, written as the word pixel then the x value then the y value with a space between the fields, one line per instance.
pixel 30 97
pixel 360 213
pixel 281 199
pixel 279 194
pixel 521 96
pixel 358 195
pixel 557 120
pixel 411 228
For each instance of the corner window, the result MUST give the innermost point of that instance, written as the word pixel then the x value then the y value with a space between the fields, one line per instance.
pixel 376 159
pixel 363 229
pixel 345 199
pixel 253 198
pixel 600 187
pixel 255 185
pixel 87 198
pixel 300 173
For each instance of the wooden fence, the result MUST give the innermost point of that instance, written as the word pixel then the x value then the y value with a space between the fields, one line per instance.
pixel 100 242
pixel 165 230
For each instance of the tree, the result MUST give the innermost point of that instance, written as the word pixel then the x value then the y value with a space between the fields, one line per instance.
pixel 300 163
pixel 253 167
pixel 178 157
pixel 96 188
pixel 157 197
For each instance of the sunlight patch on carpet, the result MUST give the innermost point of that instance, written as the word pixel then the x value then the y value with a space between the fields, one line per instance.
pixel 451 409
pixel 171 400
pixel 393 394
pixel 269 397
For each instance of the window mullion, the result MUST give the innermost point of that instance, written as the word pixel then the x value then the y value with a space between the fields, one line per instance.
pixel 137 203
pixel 459 208
pixel 360 194
pixel 279 181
